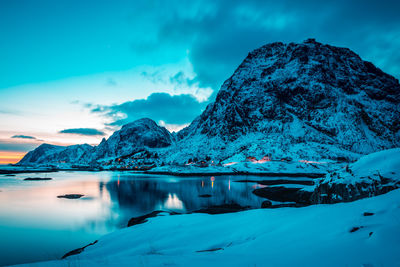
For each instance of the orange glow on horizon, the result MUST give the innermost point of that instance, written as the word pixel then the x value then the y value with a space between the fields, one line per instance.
pixel 7 157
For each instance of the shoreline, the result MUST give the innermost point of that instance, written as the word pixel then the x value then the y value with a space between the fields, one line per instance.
pixel 265 174
pixel 178 174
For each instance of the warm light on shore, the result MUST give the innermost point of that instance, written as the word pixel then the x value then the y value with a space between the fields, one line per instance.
pixel 7 157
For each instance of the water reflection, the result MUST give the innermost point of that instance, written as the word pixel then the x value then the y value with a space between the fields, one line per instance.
pixel 173 203
pixel 36 225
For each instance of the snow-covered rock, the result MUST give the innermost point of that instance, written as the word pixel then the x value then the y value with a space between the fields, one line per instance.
pixel 371 175
pixel 50 154
pixel 132 137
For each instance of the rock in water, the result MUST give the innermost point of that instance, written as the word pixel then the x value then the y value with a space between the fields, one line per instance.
pixel 71 196
pixel 37 179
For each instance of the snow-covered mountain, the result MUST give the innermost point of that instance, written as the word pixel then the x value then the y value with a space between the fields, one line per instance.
pixel 142 134
pixel 133 137
pixel 303 101
pixel 46 153
pixel 306 100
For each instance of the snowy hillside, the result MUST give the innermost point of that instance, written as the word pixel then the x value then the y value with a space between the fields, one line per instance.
pixel 361 233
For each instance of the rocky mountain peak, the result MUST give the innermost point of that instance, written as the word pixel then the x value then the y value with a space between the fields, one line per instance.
pixel 306 92
pixel 139 134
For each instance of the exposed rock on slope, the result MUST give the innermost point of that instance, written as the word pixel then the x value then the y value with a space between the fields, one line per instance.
pixel 134 136
pixel 371 175
pixel 309 100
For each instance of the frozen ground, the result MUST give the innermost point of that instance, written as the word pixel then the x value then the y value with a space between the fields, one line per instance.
pixel 319 235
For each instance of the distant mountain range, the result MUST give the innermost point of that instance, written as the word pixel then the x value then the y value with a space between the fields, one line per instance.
pixel 307 101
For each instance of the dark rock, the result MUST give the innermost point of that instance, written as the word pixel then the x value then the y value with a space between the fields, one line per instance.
pixel 266 204
pixel 278 182
pixel 9 175
pixel 37 179
pixel 210 250
pixel 355 228
pixel 71 196
pixel 283 194
pixel 288 205
pixel 78 250
pixel 205 195
pixel 224 208
pixel 368 213
pixel 143 218
pixel 329 193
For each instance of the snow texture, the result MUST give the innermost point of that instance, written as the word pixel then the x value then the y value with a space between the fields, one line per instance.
pixel 319 235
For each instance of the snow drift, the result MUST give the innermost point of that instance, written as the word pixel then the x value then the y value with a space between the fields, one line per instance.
pixel 361 233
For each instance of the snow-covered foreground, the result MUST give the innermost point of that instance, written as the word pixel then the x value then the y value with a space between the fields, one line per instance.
pixel 318 235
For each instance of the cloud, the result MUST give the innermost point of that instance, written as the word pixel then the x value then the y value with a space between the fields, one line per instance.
pixel 82 131
pixel 13 146
pixel 23 136
pixel 170 109
pixel 217 35
pixel 10 112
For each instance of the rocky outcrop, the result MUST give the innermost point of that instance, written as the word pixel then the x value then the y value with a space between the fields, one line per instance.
pixel 329 192
pixel 132 137
pixel 371 175
pixel 284 194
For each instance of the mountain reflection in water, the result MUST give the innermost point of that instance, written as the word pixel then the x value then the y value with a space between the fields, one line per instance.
pixel 36 225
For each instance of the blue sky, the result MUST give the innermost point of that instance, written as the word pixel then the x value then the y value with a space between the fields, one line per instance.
pixel 63 60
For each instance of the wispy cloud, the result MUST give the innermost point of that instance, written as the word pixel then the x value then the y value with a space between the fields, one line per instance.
pixel 10 112
pixel 20 136
pixel 82 131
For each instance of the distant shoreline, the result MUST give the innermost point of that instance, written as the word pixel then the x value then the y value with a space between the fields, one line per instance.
pixel 172 173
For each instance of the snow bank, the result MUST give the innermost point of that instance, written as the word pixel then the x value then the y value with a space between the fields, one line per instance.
pixel 371 175
pixel 319 235
pixel 385 163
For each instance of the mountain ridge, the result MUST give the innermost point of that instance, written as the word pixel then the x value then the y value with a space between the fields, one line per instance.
pixel 301 100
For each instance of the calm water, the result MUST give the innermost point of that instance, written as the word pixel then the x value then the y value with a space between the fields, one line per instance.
pixel 35 225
